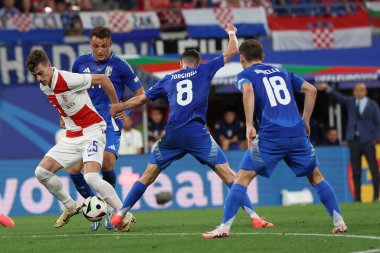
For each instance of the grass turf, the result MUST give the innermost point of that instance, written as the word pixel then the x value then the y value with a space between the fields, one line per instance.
pixel 298 229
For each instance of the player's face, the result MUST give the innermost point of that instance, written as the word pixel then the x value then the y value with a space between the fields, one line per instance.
pixel 43 74
pixel 101 48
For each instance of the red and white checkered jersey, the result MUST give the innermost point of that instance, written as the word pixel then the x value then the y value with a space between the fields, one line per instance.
pixel 68 94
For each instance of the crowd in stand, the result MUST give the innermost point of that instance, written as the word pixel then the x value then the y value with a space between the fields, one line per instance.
pixel 275 7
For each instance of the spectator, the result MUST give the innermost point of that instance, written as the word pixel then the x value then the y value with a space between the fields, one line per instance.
pixel 9 8
pixel 203 4
pixel 282 7
pixel 229 131
pixel 331 138
pixel 156 127
pixel 86 5
pixel 363 130
pixel 26 7
pixel 131 141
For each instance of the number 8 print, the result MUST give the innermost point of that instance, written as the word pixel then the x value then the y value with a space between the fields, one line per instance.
pixel 184 87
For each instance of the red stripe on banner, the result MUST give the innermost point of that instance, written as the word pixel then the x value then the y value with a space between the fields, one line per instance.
pixel 158 67
pixel 347 70
pixel 359 19
pixel 86 117
pixel 375 22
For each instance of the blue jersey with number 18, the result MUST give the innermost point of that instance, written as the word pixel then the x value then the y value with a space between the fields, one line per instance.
pixel 275 107
pixel 187 91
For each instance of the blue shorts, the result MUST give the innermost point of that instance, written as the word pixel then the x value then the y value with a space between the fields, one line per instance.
pixel 193 139
pixel 297 152
pixel 112 141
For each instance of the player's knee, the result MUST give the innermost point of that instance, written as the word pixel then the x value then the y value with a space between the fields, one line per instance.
pixel 42 174
pixel 92 179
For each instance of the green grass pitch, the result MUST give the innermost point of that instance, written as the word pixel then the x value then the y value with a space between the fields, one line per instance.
pixel 298 229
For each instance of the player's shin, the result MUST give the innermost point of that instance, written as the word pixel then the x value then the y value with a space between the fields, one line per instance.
pixel 327 196
pixel 247 205
pixel 234 200
pixel 54 186
pixel 82 187
pixel 110 177
pixel 133 196
pixel 104 189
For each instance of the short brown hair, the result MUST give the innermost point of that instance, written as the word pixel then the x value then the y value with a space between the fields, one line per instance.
pixel 191 56
pixel 36 57
pixel 251 49
pixel 101 32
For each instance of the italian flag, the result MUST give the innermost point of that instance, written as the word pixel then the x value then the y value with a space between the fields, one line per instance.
pixel 309 33
pixel 374 13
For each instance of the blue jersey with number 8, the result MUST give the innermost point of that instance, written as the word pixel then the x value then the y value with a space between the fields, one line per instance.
pixel 187 91
pixel 275 107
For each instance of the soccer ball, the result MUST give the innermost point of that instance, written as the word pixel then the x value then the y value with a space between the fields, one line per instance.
pixel 94 208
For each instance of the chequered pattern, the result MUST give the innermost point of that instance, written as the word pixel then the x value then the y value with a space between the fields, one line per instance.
pixel 22 22
pixel 223 16
pixel 172 17
pixel 323 37
pixel 119 22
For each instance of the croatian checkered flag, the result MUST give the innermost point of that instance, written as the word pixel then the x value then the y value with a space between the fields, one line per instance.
pixel 22 22
pixel 323 34
pixel 223 16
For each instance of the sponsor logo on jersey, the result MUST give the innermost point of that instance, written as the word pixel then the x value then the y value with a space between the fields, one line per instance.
pixel 108 71
pixel 86 70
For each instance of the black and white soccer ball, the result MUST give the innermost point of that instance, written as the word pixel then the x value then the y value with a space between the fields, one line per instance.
pixel 94 208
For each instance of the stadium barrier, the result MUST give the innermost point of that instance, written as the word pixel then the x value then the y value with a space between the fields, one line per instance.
pixel 192 185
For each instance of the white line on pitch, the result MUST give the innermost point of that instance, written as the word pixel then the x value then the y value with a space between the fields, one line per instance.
pixel 367 251
pixel 368 237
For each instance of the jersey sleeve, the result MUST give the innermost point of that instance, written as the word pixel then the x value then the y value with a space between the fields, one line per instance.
pixel 213 66
pixel 77 81
pixel 296 81
pixel 240 79
pixel 129 77
pixel 157 90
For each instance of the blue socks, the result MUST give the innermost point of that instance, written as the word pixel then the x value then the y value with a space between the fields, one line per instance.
pixel 133 196
pixel 327 196
pixel 81 185
pixel 235 199
pixel 110 177
pixel 247 203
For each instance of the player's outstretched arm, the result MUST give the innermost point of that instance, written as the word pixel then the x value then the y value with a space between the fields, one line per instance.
pixel 132 103
pixel 107 86
pixel 310 96
pixel 232 48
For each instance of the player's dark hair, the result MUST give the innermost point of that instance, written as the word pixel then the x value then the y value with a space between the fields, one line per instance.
pixel 36 57
pixel 191 56
pixel 251 49
pixel 101 32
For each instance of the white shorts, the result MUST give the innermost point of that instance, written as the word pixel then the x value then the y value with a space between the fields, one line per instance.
pixel 89 148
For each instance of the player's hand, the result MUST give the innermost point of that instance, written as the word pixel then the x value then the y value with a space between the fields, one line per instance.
pixel 230 27
pixel 322 86
pixel 116 111
pixel 250 135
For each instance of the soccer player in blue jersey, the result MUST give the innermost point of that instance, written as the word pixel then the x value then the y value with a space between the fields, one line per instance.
pixel 101 60
pixel 186 133
pixel 187 92
pixel 268 92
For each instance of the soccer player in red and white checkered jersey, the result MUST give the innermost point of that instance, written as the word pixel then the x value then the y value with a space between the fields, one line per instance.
pixel 85 138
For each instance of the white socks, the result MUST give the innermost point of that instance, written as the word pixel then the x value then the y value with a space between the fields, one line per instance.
pixel 54 186
pixel 104 189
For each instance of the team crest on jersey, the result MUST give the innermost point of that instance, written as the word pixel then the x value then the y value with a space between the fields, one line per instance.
pixel 108 71
pixel 64 97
